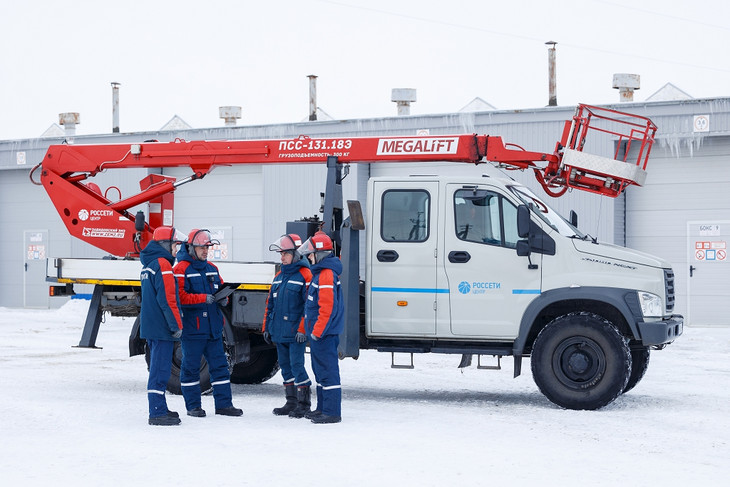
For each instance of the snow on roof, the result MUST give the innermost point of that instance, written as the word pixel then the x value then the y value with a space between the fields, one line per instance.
pixel 321 115
pixel 176 123
pixel 477 105
pixel 669 92
pixel 54 130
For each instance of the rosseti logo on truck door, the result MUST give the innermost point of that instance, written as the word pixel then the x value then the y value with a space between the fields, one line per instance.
pixel 416 145
pixel 477 287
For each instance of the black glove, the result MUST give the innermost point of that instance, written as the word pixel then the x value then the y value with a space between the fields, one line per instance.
pixel 313 337
pixel 267 337
pixel 223 301
pixel 209 299
pixel 177 333
pixel 301 337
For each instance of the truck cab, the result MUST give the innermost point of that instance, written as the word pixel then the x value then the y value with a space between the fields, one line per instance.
pixel 482 265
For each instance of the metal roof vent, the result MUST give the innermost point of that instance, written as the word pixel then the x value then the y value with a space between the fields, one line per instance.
pixel 403 97
pixel 115 107
pixel 229 115
pixel 626 84
pixel 69 120
pixel 552 83
pixel 312 97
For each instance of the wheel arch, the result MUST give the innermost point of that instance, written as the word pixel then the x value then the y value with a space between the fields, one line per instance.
pixel 620 306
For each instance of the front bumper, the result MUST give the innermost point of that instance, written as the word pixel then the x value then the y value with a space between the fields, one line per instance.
pixel 661 332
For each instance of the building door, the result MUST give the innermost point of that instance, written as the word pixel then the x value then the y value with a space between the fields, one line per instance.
pixel 35 251
pixel 709 273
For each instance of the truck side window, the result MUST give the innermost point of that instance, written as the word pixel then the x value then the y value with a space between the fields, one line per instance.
pixel 405 216
pixel 490 219
pixel 509 219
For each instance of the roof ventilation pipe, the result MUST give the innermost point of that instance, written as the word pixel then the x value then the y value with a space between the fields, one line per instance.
pixel 626 84
pixel 312 97
pixel 403 97
pixel 552 84
pixel 229 115
pixel 115 107
pixel 69 120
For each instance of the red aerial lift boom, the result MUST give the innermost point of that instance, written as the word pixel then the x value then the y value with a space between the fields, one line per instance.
pixel 92 217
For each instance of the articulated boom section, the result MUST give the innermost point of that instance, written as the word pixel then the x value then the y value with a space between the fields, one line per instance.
pixel 90 216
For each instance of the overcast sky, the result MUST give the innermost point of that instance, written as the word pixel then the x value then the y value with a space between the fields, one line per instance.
pixel 187 58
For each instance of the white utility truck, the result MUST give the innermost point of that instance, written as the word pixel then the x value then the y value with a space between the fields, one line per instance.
pixel 474 266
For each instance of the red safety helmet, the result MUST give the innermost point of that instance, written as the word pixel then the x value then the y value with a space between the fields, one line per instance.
pixel 316 243
pixel 286 243
pixel 201 238
pixel 168 234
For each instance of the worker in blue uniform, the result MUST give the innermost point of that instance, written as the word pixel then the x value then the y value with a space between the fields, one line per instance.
pixel 324 320
pixel 199 280
pixel 283 324
pixel 160 318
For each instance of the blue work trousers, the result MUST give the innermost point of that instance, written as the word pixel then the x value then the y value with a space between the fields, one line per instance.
pixel 326 368
pixel 220 378
pixel 291 362
pixel 160 367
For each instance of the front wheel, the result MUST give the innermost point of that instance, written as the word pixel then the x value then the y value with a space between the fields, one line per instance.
pixel 581 361
pixel 639 364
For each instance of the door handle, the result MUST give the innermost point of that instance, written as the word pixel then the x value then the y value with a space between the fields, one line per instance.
pixel 459 256
pixel 387 256
pixel 691 269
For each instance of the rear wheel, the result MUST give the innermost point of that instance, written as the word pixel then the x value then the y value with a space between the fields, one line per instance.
pixel 581 361
pixel 173 385
pixel 639 364
pixel 262 366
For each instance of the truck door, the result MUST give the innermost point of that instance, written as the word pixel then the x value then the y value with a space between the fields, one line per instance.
pixel 401 260
pixel 489 284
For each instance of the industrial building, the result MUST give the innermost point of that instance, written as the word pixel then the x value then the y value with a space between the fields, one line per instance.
pixel 682 213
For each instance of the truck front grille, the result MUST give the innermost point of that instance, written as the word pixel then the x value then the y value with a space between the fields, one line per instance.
pixel 669 288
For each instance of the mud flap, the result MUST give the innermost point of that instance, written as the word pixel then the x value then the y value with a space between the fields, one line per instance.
pixel 465 360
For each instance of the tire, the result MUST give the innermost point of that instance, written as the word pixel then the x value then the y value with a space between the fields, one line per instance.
pixel 173 385
pixel 639 364
pixel 581 361
pixel 262 366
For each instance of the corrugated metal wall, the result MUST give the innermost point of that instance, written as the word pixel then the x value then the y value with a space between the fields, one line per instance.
pixel 255 202
pixel 689 181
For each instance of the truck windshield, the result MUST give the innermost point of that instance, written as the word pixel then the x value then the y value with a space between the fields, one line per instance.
pixel 546 214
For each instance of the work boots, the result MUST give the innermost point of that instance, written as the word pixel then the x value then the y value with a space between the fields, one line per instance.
pixel 166 420
pixel 290 391
pixel 304 402
pixel 229 411
pixel 325 419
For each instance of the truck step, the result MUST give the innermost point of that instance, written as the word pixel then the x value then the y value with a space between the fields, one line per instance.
pixel 393 365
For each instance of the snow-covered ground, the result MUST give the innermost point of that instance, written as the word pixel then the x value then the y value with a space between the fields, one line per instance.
pixel 73 416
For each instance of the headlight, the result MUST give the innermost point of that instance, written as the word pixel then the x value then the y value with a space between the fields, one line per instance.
pixel 651 305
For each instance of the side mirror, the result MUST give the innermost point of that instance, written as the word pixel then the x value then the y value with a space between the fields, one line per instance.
pixel 523 248
pixel 523 221
pixel 574 218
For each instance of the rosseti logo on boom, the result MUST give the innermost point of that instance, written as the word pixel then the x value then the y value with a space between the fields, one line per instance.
pixel 418 145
